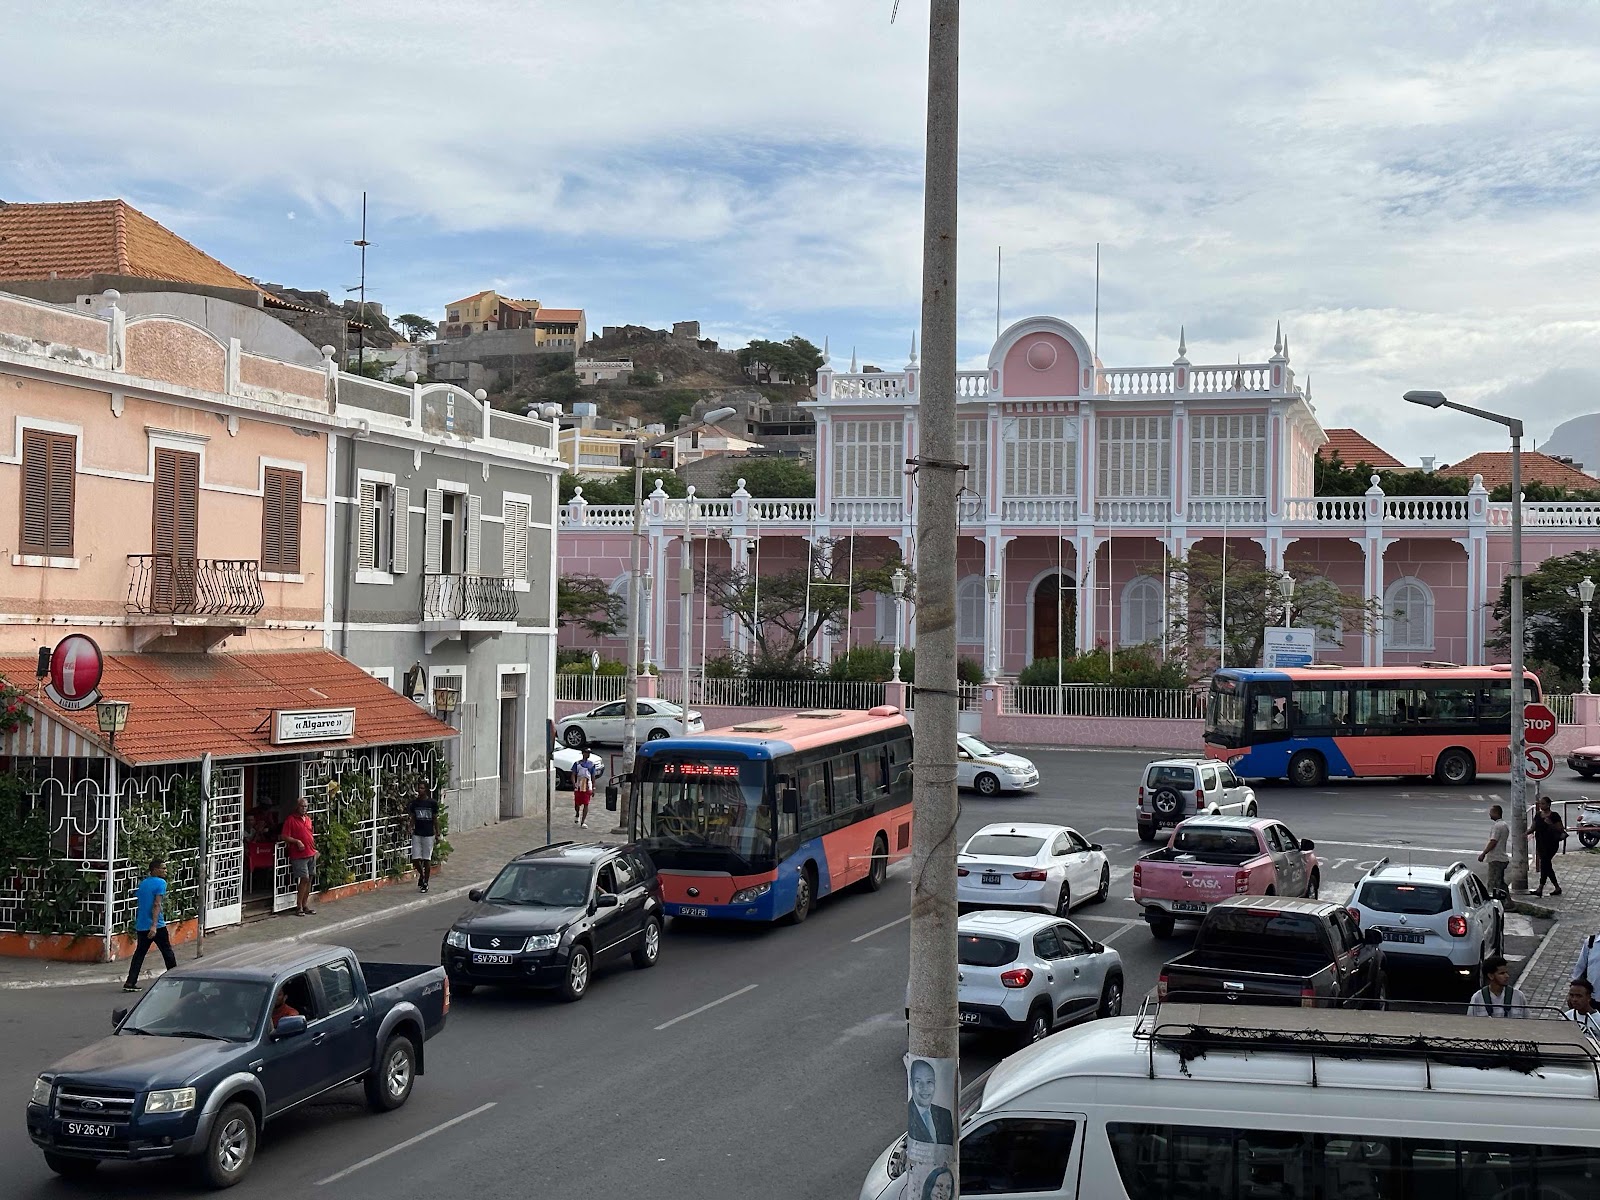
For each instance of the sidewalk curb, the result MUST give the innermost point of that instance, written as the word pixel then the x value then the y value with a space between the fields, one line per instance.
pixel 316 933
pixel 1528 909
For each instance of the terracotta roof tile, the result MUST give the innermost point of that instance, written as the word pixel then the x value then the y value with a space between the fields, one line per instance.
pixel 103 237
pixel 1353 448
pixel 1495 467
pixel 183 705
pixel 566 316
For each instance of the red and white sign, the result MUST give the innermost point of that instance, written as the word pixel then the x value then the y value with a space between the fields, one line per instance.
pixel 1538 724
pixel 76 666
pixel 1537 761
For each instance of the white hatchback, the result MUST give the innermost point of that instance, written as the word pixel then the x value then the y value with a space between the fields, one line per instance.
pixel 1029 975
pixel 1023 865
pixel 988 771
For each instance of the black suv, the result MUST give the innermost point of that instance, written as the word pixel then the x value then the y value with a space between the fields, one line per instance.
pixel 552 914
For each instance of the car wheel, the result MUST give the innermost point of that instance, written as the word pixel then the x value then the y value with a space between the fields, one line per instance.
pixel 1250 810
pixel 1271 891
pixel 805 893
pixel 1161 928
pixel 1313 885
pixel 878 871
pixel 1064 902
pixel 656 734
pixel 1105 884
pixel 575 737
pixel 1111 997
pixel 1455 767
pixel 987 784
pixel 1147 833
pixel 1308 769
pixel 648 951
pixel 576 985
pixel 231 1148
pixel 1038 1026
pixel 68 1167
pixel 390 1085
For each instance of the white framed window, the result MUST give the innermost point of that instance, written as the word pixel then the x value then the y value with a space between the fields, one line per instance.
pixel 868 459
pixel 1408 615
pixel 1041 456
pixel 971 610
pixel 1228 455
pixel 1135 456
pixel 1143 602
pixel 383 535
pixel 973 433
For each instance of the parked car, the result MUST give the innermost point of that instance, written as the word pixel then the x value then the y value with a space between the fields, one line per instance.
pixel 1173 789
pixel 552 915
pixel 1022 865
pixel 1277 950
pixel 1439 919
pixel 563 760
pixel 198 1068
pixel 603 724
pixel 988 771
pixel 1585 760
pixel 1028 975
pixel 1211 859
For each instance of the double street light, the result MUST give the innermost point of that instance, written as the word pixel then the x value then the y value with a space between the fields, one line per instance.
pixel 1519 766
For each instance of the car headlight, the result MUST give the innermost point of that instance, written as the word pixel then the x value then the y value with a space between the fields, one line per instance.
pixel 42 1088
pixel 542 941
pixel 170 1100
pixel 1023 770
pixel 745 895
pixel 456 938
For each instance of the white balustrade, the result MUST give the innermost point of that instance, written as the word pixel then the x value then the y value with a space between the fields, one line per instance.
pixel 1426 510
pixel 1543 515
pixel 1133 512
pixel 869 385
pixel 1216 511
pixel 1241 377
pixel 972 385
pixel 800 512
pixel 1325 510
pixel 867 512
pixel 1138 381
pixel 1039 510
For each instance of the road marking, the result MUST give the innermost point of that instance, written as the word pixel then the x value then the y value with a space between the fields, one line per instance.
pixel 408 1143
pixel 749 987
pixel 1111 937
pixel 880 929
pixel 1518 925
pixel 1112 920
pixel 1338 893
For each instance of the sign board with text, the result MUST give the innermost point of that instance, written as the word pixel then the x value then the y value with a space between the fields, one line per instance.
pixel 1284 647
pixel 294 725
pixel 76 667
pixel 1538 724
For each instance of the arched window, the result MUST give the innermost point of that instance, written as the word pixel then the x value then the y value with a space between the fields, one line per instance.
pixel 1408 615
pixel 1141 617
pixel 620 589
pixel 970 613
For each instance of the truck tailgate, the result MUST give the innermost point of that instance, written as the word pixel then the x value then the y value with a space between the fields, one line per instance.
pixel 389 984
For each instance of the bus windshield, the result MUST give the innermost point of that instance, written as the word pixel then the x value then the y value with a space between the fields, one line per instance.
pixel 704 813
pixel 1225 716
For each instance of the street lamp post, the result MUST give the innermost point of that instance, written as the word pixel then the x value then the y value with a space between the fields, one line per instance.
pixel 1586 597
pixel 898 582
pixel 1518 880
pixel 1286 590
pixel 992 585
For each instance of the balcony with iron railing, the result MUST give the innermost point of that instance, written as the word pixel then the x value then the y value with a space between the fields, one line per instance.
pixel 468 598
pixel 167 585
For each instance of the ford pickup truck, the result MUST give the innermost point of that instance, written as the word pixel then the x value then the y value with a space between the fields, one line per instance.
pixel 1210 859
pixel 1273 950
pixel 211 1053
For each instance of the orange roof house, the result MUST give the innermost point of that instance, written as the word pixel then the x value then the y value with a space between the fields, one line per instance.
pixel 1353 447
pixel 1495 467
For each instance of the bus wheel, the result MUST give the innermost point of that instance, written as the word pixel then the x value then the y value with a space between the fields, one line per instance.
pixel 878 872
pixel 1455 767
pixel 805 892
pixel 1307 769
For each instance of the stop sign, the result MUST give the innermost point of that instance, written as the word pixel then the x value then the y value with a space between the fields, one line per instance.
pixel 1538 724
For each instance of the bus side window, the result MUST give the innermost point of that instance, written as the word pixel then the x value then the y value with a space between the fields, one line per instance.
pixel 813 793
pixel 787 791
pixel 846 784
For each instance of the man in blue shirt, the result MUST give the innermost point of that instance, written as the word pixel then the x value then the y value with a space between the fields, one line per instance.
pixel 150 923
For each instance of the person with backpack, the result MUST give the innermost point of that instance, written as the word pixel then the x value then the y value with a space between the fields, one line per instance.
pixel 1497 998
pixel 583 776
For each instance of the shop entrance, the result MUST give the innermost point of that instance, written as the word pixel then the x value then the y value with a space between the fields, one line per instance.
pixel 270 791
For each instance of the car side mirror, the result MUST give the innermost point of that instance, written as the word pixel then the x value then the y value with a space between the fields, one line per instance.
pixel 475 895
pixel 606 900
pixel 1094 845
pixel 791 800
pixel 288 1027
pixel 1372 937
pixel 1307 844
pixel 118 1015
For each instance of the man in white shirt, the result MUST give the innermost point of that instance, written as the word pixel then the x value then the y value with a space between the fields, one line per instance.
pixel 1588 964
pixel 1498 998
pixel 1580 1007
pixel 1497 854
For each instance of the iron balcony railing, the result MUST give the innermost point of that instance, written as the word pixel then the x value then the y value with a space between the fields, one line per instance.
pixel 165 584
pixel 468 598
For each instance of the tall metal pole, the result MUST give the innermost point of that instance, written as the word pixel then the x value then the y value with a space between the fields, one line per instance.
pixel 361 324
pixel 630 723
pixel 1519 766
pixel 203 874
pixel 934 1046
pixel 686 604
pixel 1586 607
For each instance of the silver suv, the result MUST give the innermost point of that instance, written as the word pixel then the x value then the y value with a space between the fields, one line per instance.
pixel 1030 974
pixel 1173 789
pixel 1431 918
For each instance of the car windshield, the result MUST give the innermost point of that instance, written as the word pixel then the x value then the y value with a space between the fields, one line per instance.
pixel 541 885
pixel 1413 899
pixel 1224 845
pixel 704 813
pixel 976 748
pixel 1171 776
pixel 223 1009
pixel 1262 932
pixel 1005 845
pixel 977 950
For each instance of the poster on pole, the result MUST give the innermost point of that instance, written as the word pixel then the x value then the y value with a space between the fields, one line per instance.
pixel 1284 647
pixel 932 1086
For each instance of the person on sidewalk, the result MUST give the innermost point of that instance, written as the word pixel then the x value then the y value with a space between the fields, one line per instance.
pixel 583 775
pixel 1497 854
pixel 150 923
pixel 1588 965
pixel 302 845
pixel 1580 1007
pixel 1497 998
pixel 1548 833
pixel 424 829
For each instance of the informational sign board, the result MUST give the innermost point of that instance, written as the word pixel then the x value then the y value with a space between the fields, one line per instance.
pixel 1285 647
pixel 294 725
pixel 76 667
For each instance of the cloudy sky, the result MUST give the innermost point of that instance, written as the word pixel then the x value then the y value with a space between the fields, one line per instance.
pixel 1409 186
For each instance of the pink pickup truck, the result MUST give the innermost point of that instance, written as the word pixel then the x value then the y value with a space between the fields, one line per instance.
pixel 1209 859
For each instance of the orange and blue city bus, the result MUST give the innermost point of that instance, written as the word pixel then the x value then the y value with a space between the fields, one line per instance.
pixel 1305 724
pixel 757 821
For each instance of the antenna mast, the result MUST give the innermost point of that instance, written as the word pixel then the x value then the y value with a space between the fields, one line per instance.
pixel 997 293
pixel 1097 303
pixel 361 313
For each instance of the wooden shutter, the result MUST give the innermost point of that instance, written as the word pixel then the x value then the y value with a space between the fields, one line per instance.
pixel 366 537
pixel 400 543
pixel 290 489
pixel 49 467
pixel 280 521
pixel 474 537
pixel 175 533
pixel 514 559
pixel 433 531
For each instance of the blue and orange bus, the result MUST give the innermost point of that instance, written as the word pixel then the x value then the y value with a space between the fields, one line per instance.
pixel 1304 724
pixel 757 821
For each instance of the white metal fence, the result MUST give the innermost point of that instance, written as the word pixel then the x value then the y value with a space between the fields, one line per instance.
pixel 1096 700
pixel 1561 705
pixel 590 688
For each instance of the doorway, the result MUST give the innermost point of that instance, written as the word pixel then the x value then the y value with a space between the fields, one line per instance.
pixel 270 792
pixel 512 724
pixel 1054 616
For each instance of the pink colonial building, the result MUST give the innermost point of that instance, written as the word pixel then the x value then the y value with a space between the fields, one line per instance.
pixel 1083 478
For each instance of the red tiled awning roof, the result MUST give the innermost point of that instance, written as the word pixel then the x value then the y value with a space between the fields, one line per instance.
pixel 1495 467
pixel 1353 448
pixel 185 705
pixel 558 316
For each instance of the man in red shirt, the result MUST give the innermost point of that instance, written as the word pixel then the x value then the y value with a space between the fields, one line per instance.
pixel 302 855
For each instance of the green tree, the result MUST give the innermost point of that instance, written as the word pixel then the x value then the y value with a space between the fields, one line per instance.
pixel 562 387
pixel 771 478
pixel 796 358
pixel 369 368
pixel 644 377
pixel 619 489
pixel 1552 618
pixel 416 327
pixel 589 603
pixel 675 404
pixel 1334 478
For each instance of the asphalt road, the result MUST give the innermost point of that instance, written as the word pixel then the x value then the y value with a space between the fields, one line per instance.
pixel 749 1062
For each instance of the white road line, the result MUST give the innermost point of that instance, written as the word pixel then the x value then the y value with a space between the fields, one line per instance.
pixel 408 1143
pixel 749 987
pixel 1115 934
pixel 880 929
pixel 1111 920
pixel 1518 925
pixel 1339 893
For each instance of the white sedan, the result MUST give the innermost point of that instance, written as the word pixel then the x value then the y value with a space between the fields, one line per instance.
pixel 604 724
pixel 989 771
pixel 1045 867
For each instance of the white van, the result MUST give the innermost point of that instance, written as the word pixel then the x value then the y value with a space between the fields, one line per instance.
pixel 1186 1103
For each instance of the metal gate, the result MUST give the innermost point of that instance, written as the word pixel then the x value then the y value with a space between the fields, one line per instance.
pixel 225 848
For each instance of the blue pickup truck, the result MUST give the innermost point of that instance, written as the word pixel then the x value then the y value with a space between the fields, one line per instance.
pixel 211 1053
